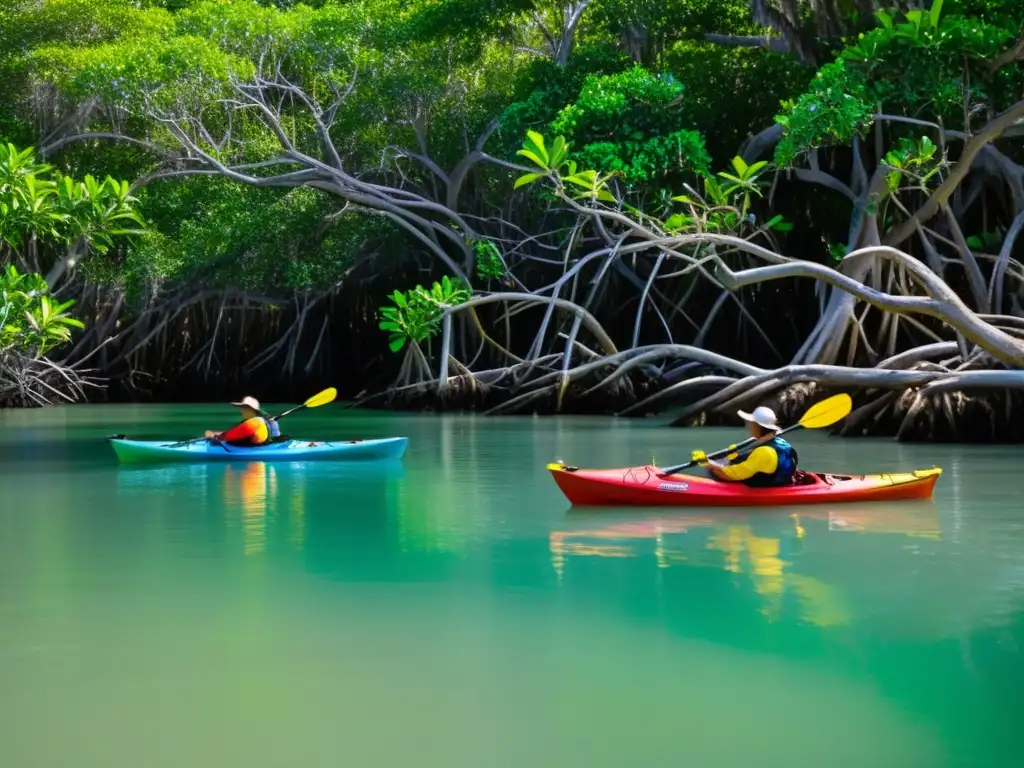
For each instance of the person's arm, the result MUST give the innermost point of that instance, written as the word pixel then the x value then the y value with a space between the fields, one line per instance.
pixel 761 459
pixel 247 429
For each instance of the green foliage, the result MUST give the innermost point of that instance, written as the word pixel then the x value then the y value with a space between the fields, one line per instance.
pixel 227 234
pixel 31 323
pixel 834 110
pixel 542 89
pixel 1003 13
pixel 84 22
pixel 837 251
pixel 724 206
pixel 468 21
pixel 143 70
pixel 732 92
pixel 913 158
pixel 923 63
pixel 431 75
pixel 665 22
pixel 555 163
pixel 40 207
pixel 489 265
pixel 186 62
pixel 987 240
pixel 536 151
pixel 742 182
pixel 628 124
pixel 416 314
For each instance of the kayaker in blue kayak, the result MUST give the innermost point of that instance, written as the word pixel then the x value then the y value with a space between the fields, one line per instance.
pixel 771 464
pixel 254 429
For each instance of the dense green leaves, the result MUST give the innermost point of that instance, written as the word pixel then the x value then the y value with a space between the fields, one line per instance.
pixel 416 314
pixel 931 64
pixel 724 207
pixel 835 109
pixel 732 92
pixel 31 322
pixel 489 265
pixel 629 123
pixel 644 105
pixel 226 234
pixel 43 210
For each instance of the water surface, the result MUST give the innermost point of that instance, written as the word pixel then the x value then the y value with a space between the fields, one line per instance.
pixel 452 610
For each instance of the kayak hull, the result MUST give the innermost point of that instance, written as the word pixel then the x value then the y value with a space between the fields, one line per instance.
pixel 647 486
pixel 160 451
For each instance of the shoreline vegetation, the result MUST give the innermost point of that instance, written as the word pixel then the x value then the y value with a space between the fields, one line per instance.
pixel 600 206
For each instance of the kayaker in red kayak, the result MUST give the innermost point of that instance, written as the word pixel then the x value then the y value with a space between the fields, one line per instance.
pixel 771 464
pixel 254 429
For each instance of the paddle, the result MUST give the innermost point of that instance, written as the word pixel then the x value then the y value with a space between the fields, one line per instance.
pixel 321 398
pixel 823 414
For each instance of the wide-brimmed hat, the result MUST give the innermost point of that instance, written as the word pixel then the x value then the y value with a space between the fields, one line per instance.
pixel 249 402
pixel 762 416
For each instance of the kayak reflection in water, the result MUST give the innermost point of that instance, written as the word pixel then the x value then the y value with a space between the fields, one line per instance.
pixel 771 464
pixel 254 429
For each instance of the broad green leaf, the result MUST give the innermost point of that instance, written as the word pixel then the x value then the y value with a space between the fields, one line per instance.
pixel 734 179
pixel 577 181
pixel 535 143
pixel 534 158
pixel 558 152
pixel 527 178
pixel 678 221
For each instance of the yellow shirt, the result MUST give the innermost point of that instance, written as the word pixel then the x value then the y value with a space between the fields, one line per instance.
pixel 761 459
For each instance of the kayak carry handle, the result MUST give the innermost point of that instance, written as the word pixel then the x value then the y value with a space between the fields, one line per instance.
pixel 561 466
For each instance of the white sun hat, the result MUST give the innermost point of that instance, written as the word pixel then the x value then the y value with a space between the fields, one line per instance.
pixel 763 416
pixel 249 402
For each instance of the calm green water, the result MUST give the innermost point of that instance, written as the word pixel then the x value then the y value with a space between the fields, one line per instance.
pixel 451 610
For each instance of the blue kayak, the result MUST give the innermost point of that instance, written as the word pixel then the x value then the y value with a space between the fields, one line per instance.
pixel 154 451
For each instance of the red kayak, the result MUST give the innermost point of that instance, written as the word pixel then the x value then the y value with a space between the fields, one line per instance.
pixel 649 487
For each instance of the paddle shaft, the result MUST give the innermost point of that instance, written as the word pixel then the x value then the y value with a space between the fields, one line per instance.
pixel 290 410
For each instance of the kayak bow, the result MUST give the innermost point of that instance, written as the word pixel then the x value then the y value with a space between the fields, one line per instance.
pixel 649 486
pixel 159 451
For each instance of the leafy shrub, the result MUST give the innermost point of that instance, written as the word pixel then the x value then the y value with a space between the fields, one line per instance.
pixel 416 314
pixel 31 323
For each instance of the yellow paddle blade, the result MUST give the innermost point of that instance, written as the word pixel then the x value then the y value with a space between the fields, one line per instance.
pixel 322 398
pixel 827 412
